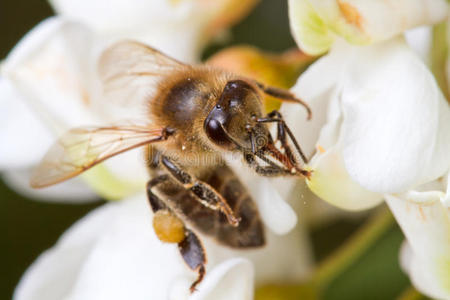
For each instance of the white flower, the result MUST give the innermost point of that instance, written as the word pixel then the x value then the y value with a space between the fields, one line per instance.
pixel 49 81
pixel 113 253
pixel 387 123
pixel 381 126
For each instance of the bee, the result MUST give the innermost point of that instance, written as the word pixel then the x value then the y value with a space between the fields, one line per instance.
pixel 198 111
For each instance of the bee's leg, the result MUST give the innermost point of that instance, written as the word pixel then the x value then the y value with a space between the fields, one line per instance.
pixel 166 224
pixel 271 170
pixel 155 202
pixel 193 253
pixel 282 130
pixel 283 95
pixel 205 193
pixel 171 229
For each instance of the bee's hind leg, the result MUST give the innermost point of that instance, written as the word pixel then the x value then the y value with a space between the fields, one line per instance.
pixel 205 194
pixel 171 229
pixel 155 202
pixel 193 253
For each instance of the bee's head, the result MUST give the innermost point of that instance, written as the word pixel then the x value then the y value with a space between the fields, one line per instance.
pixel 232 123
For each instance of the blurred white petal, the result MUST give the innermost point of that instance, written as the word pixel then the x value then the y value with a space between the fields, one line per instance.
pixel 231 280
pixel 426 257
pixel 178 28
pixel 420 39
pixel 24 138
pixel 46 71
pixel 308 29
pixel 73 191
pixel 112 16
pixel 120 176
pixel 113 253
pixel 275 212
pixel 110 254
pixel 49 79
pixel 360 22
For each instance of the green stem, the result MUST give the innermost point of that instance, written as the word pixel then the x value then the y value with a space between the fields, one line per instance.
pixel 348 253
pixel 439 55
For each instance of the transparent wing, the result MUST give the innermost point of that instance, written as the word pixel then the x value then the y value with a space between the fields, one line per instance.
pixel 82 148
pixel 130 71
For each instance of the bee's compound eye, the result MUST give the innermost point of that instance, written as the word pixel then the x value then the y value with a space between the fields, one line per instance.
pixel 216 133
pixel 168 227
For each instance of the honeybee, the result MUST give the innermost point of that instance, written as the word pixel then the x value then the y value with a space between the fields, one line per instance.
pixel 198 110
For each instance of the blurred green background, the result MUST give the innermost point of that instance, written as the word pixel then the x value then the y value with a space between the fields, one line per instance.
pixel 29 227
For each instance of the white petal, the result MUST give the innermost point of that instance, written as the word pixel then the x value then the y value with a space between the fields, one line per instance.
pixel 358 21
pixel 52 71
pixel 309 30
pixel 46 68
pixel 446 198
pixel 284 258
pixel 24 138
pixel 420 273
pixel 427 229
pixel 275 212
pixel 178 28
pixel 113 254
pixel 331 182
pixel 231 280
pixel 120 176
pixel 420 39
pixel 383 20
pixel 118 15
pixel 396 123
pixel 53 274
pixel 181 41
pixel 320 86
pixel 73 191
pixel 110 254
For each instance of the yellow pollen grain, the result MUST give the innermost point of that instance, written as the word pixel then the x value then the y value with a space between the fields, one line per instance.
pixel 351 13
pixel 321 149
pixel 168 227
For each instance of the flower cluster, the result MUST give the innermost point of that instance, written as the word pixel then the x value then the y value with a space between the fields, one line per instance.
pixel 380 132
pixel 382 125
